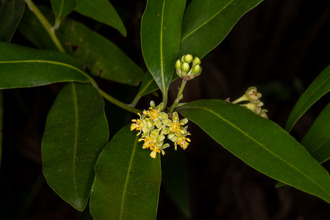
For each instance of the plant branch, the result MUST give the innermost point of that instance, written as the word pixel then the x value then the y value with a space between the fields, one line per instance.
pixel 52 35
pixel 113 100
pixel 45 24
pixel 135 100
pixel 179 96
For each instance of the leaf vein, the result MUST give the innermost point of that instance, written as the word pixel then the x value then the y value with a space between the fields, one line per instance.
pixel 127 179
pixel 206 21
pixel 161 47
pixel 261 145
pixel 75 145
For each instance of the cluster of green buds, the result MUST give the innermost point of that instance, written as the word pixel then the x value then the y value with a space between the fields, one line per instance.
pixel 155 126
pixel 188 67
pixel 252 101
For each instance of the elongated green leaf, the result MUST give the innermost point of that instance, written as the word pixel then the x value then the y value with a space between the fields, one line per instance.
pixel 98 54
pixel 26 67
pixel 261 144
pixel 94 52
pixel 102 11
pixel 75 132
pixel 319 87
pixel 1 123
pixel 31 28
pixel 62 8
pixel 207 22
pixel 175 180
pixel 160 38
pixel 127 180
pixel 148 85
pixel 11 13
pixel 317 139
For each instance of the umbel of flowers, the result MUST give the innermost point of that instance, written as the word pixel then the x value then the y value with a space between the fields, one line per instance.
pixel 155 127
pixel 251 100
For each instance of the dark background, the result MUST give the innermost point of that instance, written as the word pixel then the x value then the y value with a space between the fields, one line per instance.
pixel 280 47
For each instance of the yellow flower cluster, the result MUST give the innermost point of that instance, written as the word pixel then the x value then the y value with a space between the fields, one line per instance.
pixel 254 104
pixel 154 126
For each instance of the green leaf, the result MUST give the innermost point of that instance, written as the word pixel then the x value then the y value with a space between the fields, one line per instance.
pixel 31 28
pixel 317 139
pixel 1 123
pixel 91 50
pixel 62 8
pixel 26 67
pixel 319 87
pixel 175 180
pixel 207 22
pixel 11 13
pixel 160 38
pixel 127 180
pixel 98 54
pixel 148 85
pixel 75 132
pixel 102 11
pixel 261 144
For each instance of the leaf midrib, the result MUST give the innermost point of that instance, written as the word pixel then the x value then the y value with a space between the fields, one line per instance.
pixel 291 125
pixel 161 47
pixel 43 61
pixel 75 145
pixel 206 21
pixel 127 179
pixel 49 62
pixel 96 54
pixel 261 145
pixel 318 147
pixel 146 87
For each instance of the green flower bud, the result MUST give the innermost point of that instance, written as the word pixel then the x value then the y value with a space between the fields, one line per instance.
pixel 188 67
pixel 178 64
pixel 188 58
pixel 196 61
pixel 182 59
pixel 185 67
pixel 152 104
pixel 197 69
pixel 179 73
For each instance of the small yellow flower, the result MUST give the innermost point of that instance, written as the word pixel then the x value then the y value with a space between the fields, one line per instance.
pixel 183 142
pixel 155 126
pixel 252 97
pixel 137 124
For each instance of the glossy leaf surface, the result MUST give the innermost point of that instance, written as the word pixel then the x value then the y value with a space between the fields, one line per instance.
pixel 102 11
pixel 127 180
pixel 317 139
pixel 62 8
pixel 148 85
pixel 207 22
pixel 261 144
pixel 31 28
pixel 26 67
pixel 11 13
pixel 99 55
pixel 75 133
pixel 160 38
pixel 175 180
pixel 319 87
pixel 96 54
